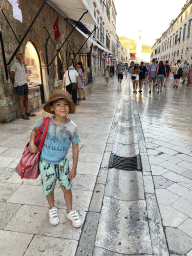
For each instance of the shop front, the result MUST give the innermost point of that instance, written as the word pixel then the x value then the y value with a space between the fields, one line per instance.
pixel 34 76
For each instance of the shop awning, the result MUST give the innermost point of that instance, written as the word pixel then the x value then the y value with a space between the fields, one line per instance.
pixel 74 10
pixel 94 43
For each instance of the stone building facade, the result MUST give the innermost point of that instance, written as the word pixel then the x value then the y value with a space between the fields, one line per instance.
pixel 39 48
pixel 175 43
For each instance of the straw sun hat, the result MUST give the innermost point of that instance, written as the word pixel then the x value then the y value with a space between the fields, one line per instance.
pixel 56 95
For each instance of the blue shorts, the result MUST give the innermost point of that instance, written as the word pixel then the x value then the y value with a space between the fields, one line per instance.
pixel 50 173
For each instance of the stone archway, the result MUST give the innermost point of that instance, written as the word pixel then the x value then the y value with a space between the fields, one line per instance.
pixel 42 66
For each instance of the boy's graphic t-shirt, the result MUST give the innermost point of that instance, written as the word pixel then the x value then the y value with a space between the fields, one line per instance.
pixel 58 140
pixel 152 69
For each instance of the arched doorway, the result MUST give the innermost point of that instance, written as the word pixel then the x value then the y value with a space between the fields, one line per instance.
pixel 34 68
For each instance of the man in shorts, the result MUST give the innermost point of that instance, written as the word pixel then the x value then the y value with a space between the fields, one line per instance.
pixel 19 78
pixel 142 75
pixel 152 74
pixel 120 70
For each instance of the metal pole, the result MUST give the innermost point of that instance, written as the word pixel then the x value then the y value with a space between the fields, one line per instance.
pixel 10 25
pixel 46 58
pixel 3 53
pixel 49 36
pixel 67 38
pixel 85 42
pixel 26 33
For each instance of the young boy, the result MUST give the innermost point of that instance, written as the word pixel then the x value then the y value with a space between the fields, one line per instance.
pixel 53 161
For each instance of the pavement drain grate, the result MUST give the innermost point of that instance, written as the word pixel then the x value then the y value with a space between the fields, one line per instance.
pixel 125 163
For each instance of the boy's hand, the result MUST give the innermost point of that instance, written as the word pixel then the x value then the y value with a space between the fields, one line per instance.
pixel 72 174
pixel 33 148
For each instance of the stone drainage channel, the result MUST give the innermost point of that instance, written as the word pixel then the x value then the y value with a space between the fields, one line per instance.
pixel 123 216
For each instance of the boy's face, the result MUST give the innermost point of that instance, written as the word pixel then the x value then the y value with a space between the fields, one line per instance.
pixel 60 108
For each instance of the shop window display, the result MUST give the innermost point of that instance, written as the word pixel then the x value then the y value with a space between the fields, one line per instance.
pixel 32 65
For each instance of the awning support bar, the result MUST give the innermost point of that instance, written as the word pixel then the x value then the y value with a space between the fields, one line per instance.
pixel 67 38
pixel 26 33
pixel 10 25
pixel 4 58
pixel 85 42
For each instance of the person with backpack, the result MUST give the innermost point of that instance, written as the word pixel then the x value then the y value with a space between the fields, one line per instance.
pixel 161 74
pixel 168 70
pixel 177 72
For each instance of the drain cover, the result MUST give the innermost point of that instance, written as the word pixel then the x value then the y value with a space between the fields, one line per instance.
pixel 125 163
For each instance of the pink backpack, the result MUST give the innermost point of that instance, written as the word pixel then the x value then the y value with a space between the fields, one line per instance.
pixel 28 166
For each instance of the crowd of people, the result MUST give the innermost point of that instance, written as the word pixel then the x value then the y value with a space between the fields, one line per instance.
pixel 157 75
pixel 73 81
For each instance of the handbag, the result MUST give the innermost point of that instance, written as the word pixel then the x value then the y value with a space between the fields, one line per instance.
pixel 133 77
pixel 74 85
pixel 28 166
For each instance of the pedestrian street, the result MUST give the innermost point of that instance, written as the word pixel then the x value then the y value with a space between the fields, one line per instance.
pixel 134 212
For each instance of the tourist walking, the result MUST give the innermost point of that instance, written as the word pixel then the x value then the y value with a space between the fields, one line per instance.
pixel 189 77
pixel 177 72
pixel 152 74
pixel 19 78
pixel 161 74
pixel 142 76
pixel 168 70
pixel 185 71
pixel 135 77
pixel 81 82
pixel 107 74
pixel 119 71
pixel 71 77
pixel 126 71
pixel 54 164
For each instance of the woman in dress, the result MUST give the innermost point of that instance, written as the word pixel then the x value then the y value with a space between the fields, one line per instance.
pixel 189 80
pixel 107 72
pixel 81 83
pixel 126 71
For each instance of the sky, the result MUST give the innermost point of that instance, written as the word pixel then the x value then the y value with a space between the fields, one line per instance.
pixel 152 16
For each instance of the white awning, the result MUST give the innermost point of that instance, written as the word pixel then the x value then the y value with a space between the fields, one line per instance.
pixel 74 10
pixel 94 43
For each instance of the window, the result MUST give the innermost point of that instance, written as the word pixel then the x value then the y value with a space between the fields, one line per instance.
pixel 107 41
pixel 181 19
pixel 189 29
pixel 184 30
pixel 176 38
pixel 178 53
pixel 179 36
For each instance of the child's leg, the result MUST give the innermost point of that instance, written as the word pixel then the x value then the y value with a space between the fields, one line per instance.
pixel 50 199
pixel 83 93
pixel 79 93
pixel 68 199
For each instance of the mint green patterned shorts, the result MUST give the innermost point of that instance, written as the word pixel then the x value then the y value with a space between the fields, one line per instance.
pixel 50 173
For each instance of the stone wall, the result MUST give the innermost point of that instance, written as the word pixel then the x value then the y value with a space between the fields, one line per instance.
pixel 9 108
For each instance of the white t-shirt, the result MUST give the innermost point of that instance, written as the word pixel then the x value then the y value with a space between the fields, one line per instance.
pixel 20 74
pixel 73 75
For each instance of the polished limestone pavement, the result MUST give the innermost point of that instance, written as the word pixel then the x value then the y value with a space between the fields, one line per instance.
pixel 123 212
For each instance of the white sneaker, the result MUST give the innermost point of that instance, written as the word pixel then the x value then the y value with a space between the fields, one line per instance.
pixel 53 216
pixel 74 217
